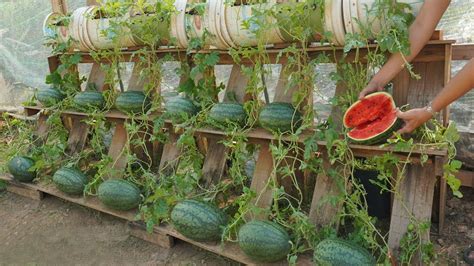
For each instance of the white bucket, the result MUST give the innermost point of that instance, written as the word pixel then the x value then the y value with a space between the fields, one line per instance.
pixel 178 24
pixel 212 16
pixel 361 10
pixel 75 28
pixel 237 16
pixel 97 25
pixel 53 31
pixel 334 21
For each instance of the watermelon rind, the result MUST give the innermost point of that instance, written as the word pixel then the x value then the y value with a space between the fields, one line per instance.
pixel 89 100
pixel 280 117
pixel 199 221
pixel 339 252
pixel 49 97
pixel 70 180
pixel 228 113
pixel 264 241
pixel 133 102
pixel 119 194
pixel 19 167
pixel 376 138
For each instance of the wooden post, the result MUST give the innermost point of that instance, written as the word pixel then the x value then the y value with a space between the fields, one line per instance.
pixel 215 161
pixel 323 212
pixel 414 198
pixel 59 6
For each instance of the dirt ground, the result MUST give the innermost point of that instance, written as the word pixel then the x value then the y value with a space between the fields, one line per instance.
pixel 54 232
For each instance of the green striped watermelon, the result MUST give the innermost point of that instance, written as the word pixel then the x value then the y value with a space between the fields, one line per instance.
pixel 180 108
pixel 119 194
pixel 70 180
pixel 280 117
pixel 135 102
pixel 89 100
pixel 225 113
pixel 198 220
pixel 341 252
pixel 49 96
pixel 20 168
pixel 264 241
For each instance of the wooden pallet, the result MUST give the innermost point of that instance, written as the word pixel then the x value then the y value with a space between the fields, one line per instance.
pixel 416 189
pixel 163 235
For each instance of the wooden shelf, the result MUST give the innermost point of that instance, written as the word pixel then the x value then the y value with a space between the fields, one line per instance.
pixel 228 250
pixel 259 134
pixel 275 55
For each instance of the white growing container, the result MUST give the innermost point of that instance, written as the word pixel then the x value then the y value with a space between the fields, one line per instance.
pixel 53 31
pixel 96 26
pixel 237 16
pixel 178 24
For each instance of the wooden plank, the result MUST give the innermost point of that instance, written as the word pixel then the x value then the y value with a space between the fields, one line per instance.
pixel 261 180
pixel 138 230
pixel 136 81
pixel 414 198
pixel 59 6
pixel 323 212
pixel 463 51
pixel 43 127
pixel 228 250
pixel 91 2
pixel 21 189
pixel 285 89
pixel 53 63
pixel 77 136
pixel 466 177
pixel 171 153
pixel 215 161
pixel 116 150
pixel 97 78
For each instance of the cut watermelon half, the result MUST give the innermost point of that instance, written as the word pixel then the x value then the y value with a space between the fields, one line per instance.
pixel 372 120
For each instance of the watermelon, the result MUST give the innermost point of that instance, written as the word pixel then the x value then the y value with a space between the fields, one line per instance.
pixel 341 252
pixel 372 120
pixel 225 113
pixel 180 107
pixel 134 102
pixel 89 100
pixel 20 168
pixel 280 117
pixel 70 180
pixel 264 241
pixel 49 96
pixel 119 194
pixel 198 220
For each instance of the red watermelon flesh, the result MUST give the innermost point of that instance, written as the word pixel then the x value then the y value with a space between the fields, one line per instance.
pixel 372 119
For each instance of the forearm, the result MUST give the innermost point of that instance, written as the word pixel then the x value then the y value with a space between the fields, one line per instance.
pixel 457 87
pixel 419 34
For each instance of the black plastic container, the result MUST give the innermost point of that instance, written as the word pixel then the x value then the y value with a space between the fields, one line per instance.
pixel 378 203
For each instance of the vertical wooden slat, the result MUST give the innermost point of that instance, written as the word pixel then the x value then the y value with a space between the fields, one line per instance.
pixel 323 212
pixel 215 161
pixel 59 6
pixel 414 197
pixel 116 150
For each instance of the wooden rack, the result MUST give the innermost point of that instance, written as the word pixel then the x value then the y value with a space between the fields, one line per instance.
pixel 416 189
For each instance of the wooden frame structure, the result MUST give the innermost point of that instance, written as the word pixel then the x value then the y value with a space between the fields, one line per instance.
pixel 416 189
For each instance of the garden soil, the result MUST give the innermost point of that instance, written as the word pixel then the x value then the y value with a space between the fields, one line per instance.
pixel 54 232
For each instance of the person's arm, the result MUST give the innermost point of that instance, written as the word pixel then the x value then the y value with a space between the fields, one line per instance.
pixel 419 34
pixel 457 87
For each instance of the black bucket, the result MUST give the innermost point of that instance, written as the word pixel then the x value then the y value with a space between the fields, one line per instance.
pixel 378 203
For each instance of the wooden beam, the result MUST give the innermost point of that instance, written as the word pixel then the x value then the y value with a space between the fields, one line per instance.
pixel 59 6
pixel 467 178
pixel 463 51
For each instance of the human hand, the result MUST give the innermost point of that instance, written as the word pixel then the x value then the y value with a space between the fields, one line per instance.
pixel 413 119
pixel 371 87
